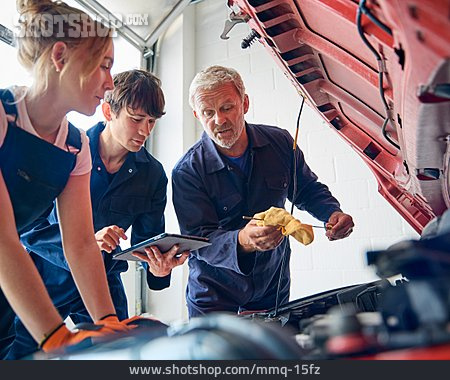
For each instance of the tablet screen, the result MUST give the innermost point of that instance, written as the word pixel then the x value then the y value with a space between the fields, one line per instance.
pixel 164 242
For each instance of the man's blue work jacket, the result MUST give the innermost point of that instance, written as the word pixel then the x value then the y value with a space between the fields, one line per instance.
pixel 210 197
pixel 135 197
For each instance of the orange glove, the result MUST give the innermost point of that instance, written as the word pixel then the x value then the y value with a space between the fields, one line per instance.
pixel 62 336
pixel 143 322
pixel 111 323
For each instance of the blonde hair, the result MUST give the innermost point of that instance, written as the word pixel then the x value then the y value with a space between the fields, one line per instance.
pixel 213 77
pixel 45 22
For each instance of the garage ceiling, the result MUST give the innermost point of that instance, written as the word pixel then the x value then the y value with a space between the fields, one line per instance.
pixel 143 21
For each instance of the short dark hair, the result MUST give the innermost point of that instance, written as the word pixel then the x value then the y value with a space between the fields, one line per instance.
pixel 136 89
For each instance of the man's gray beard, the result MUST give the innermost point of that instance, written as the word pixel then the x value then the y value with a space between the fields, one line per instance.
pixel 225 144
pixel 228 144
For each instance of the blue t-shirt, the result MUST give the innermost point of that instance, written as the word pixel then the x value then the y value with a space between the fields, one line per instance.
pixel 241 162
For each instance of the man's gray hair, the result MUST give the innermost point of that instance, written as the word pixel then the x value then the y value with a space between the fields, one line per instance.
pixel 212 77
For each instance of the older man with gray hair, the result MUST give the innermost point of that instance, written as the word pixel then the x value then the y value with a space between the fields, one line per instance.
pixel 237 169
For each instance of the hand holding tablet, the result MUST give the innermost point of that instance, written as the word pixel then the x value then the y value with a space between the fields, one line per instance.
pixel 160 264
pixel 164 242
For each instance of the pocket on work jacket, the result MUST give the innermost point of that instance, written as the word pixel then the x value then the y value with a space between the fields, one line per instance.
pixel 277 187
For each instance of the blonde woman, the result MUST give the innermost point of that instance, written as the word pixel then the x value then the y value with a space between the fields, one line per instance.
pixel 43 158
pixel 128 190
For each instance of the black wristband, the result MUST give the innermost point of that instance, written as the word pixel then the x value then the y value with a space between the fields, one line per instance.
pixel 106 316
pixel 47 336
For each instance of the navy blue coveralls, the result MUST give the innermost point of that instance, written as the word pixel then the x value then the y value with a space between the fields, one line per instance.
pixel 136 197
pixel 35 173
pixel 211 195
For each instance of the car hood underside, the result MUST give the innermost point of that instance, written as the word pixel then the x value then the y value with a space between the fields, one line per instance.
pixel 379 74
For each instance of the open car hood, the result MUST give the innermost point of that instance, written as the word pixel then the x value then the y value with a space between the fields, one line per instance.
pixel 401 128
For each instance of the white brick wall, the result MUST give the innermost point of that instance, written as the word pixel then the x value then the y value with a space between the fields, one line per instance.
pixel 323 264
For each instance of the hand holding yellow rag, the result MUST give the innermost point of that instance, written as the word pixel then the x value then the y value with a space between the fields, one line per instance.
pixel 275 216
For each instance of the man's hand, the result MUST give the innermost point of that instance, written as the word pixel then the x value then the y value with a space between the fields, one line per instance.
pixel 255 238
pixel 341 226
pixel 108 238
pixel 161 264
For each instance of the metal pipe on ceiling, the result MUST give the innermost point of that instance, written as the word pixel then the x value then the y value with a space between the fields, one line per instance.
pixel 7 35
pixel 126 32
pixel 152 37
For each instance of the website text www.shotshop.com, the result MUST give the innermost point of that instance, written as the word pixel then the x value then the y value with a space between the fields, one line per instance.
pixel 202 369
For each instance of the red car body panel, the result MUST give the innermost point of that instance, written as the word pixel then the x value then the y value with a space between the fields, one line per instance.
pixel 317 45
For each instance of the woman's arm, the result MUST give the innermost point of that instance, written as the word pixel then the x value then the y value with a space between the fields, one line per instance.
pixel 81 249
pixel 19 278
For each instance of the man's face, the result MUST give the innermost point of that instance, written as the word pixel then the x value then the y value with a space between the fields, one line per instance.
pixel 221 112
pixel 130 128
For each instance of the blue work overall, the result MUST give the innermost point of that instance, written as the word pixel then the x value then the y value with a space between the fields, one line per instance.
pixel 35 173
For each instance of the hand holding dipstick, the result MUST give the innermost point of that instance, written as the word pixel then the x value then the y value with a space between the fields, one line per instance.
pixel 287 224
pixel 327 227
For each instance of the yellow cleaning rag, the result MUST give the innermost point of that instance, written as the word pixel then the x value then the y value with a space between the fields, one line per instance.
pixel 275 216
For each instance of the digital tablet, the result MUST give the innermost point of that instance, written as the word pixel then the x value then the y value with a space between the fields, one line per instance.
pixel 164 242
